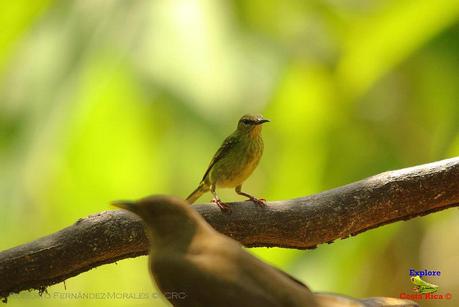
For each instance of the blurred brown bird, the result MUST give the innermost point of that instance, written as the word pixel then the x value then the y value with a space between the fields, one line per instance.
pixel 194 265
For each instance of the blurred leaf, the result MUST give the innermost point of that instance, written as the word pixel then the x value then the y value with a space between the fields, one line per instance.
pixel 301 116
pixel 15 18
pixel 381 41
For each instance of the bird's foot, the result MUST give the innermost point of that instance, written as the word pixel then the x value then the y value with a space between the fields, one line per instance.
pixel 223 207
pixel 260 202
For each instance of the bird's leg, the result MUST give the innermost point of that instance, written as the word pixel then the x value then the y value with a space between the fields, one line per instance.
pixel 259 202
pixel 223 207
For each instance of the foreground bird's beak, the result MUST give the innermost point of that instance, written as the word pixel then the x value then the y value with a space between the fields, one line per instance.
pixel 262 121
pixel 124 204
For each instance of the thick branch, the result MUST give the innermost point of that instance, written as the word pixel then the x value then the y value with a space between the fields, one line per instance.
pixel 298 223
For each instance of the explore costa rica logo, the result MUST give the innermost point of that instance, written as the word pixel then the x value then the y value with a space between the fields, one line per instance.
pixel 424 290
pixel 422 286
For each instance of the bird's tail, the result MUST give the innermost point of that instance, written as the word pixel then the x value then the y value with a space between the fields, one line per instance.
pixel 201 189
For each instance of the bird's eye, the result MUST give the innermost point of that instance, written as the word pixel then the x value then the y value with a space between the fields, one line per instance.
pixel 246 121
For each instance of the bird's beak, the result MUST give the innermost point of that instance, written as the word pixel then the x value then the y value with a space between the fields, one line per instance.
pixel 124 204
pixel 262 121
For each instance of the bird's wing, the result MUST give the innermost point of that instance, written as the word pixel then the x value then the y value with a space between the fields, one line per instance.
pixel 299 282
pixel 267 266
pixel 227 145
pixel 222 263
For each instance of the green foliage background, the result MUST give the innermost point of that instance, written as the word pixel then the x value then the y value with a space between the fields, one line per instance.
pixel 101 100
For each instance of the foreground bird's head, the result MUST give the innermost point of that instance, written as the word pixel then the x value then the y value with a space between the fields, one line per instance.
pixel 153 206
pixel 166 217
pixel 251 123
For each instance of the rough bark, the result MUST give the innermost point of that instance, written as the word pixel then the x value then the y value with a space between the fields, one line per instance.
pixel 301 223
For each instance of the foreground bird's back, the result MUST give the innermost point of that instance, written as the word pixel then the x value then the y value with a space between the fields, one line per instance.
pixel 218 272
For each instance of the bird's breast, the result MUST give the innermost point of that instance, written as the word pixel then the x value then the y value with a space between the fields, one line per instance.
pixel 239 163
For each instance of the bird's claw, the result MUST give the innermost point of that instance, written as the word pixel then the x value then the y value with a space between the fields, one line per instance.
pixel 223 207
pixel 260 202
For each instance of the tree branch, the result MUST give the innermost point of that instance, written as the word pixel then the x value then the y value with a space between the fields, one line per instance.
pixel 298 223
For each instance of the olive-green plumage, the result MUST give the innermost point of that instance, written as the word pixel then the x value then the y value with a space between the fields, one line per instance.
pixel 194 265
pixel 234 161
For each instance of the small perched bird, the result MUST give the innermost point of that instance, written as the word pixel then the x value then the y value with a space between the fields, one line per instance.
pixel 234 161
pixel 194 265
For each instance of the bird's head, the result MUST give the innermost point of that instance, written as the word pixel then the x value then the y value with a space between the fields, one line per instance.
pixel 251 122
pixel 164 216
pixel 154 206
